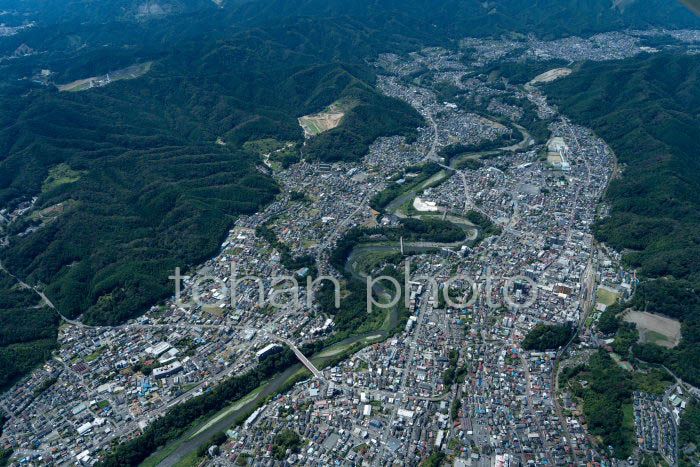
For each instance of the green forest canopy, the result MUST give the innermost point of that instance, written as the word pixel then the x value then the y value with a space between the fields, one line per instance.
pixel 156 192
pixel 27 333
pixel 607 390
pixel 547 337
pixel 85 38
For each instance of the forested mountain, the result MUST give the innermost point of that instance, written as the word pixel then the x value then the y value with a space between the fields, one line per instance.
pixel 154 191
pixel 491 18
pixel 647 110
pixel 83 38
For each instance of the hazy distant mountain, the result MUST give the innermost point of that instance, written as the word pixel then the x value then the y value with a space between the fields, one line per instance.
pixel 82 38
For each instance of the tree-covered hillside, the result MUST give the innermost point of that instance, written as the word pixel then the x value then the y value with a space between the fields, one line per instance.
pixel 153 190
pixel 647 110
pixel 87 37
pixel 27 332
pixel 547 337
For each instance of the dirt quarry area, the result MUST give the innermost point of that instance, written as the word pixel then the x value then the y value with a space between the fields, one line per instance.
pixel 131 72
pixel 320 122
pixel 551 75
pixel 655 329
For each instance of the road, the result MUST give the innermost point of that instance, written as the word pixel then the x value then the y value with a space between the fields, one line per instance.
pixel 432 154
pixel 41 295
pixel 189 442
pixel 587 299
pixel 407 368
pixel 192 443
pixel 530 405
pixel 580 186
pixel 669 407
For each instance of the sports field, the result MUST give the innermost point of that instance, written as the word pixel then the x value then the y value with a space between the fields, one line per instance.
pixel 655 329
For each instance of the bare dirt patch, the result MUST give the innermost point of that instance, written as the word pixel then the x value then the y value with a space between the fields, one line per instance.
pixel 327 119
pixel 655 329
pixel 320 122
pixel 131 72
pixel 551 75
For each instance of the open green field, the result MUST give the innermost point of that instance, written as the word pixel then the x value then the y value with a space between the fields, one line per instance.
pixel 263 146
pixel 157 457
pixel 606 297
pixel 328 119
pixel 628 418
pixel 655 329
pixel 192 460
pixel 653 337
pixel 237 405
pixel 60 175
pixel 307 243
pixel 335 350
pixel 367 262
pixel 95 354
pixel 313 124
pixel 276 154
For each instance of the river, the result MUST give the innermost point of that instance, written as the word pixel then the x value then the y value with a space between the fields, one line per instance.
pixel 189 443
